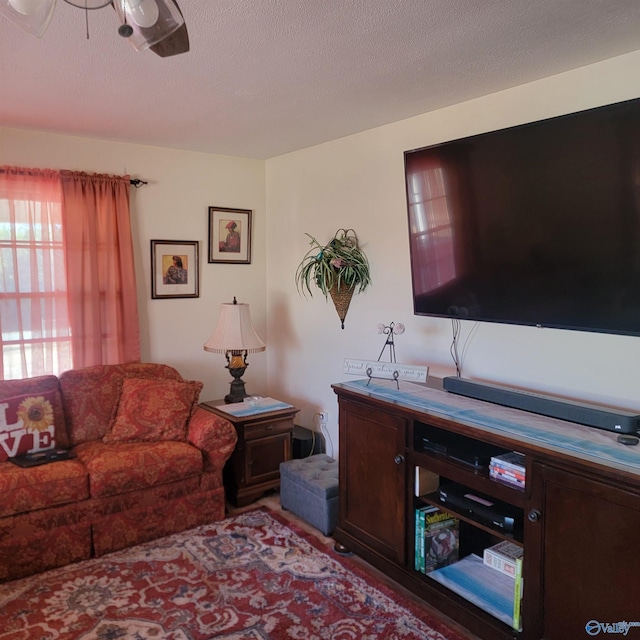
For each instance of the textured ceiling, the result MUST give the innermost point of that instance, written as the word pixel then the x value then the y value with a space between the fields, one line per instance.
pixel 265 77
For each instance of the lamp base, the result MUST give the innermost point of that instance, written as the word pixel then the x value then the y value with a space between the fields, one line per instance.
pixel 237 392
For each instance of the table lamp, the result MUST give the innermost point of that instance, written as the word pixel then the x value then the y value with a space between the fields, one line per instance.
pixel 235 337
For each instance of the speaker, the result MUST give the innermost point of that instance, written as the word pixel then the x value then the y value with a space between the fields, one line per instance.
pixel 617 420
pixel 306 442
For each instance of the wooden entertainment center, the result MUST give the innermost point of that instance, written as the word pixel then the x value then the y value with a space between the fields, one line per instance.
pixel 577 516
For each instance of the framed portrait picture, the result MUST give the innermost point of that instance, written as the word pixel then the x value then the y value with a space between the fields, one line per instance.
pixel 229 235
pixel 174 269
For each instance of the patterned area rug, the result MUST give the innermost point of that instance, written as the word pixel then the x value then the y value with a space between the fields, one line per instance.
pixel 252 576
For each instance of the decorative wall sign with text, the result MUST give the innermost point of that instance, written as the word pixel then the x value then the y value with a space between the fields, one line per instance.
pixel 387 370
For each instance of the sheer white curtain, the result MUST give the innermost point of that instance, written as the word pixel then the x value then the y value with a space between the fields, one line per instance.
pixel 34 319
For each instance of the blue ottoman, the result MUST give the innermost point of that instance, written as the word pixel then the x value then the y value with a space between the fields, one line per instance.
pixel 309 488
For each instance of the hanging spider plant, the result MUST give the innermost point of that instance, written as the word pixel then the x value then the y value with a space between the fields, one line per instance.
pixel 339 269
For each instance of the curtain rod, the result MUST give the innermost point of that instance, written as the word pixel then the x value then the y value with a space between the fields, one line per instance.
pixel 136 182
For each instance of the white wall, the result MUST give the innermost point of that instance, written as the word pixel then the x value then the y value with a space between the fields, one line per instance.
pixel 174 206
pixel 358 182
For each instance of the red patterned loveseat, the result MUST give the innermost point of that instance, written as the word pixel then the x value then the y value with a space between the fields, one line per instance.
pixel 148 462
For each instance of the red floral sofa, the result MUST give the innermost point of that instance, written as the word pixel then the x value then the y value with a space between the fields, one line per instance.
pixel 147 462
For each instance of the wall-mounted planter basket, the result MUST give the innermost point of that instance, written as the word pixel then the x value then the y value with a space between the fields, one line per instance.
pixel 341 300
pixel 339 269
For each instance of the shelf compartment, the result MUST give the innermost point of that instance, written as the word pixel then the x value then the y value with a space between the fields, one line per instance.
pixel 477 480
pixel 493 592
pixel 471 452
pixel 434 499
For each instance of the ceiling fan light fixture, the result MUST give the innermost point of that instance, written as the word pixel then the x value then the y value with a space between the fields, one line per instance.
pixel 25 7
pixel 145 13
pixel 157 25
pixel 33 16
pixel 150 20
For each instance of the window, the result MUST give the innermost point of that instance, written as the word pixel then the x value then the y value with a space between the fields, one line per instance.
pixel 67 278
pixel 431 228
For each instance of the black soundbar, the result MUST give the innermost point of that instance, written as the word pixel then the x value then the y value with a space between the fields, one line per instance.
pixel 617 420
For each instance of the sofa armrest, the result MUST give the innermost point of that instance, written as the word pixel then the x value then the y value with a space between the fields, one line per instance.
pixel 214 436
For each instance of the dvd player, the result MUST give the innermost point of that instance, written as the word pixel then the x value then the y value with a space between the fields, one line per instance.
pixel 480 507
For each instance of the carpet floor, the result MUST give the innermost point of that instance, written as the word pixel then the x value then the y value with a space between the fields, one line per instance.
pixel 253 576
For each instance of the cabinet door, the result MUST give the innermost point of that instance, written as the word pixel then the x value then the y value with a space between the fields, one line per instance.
pixel 263 457
pixel 372 478
pixel 589 566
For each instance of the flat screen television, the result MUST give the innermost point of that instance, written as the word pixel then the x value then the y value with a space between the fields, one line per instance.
pixel 537 224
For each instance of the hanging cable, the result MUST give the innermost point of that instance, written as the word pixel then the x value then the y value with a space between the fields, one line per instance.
pixel 465 344
pixel 455 327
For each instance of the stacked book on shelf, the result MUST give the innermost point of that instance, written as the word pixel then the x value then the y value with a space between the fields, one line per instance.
pixel 508 468
pixel 505 557
pixel 436 535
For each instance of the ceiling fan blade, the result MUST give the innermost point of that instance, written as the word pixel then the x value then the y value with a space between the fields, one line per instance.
pixel 174 44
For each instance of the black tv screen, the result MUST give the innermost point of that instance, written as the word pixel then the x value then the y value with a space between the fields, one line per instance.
pixel 537 224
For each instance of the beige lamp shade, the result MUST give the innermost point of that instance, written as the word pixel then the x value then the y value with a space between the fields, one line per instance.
pixel 234 331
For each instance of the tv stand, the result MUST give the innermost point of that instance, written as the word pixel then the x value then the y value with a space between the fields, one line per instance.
pixel 577 516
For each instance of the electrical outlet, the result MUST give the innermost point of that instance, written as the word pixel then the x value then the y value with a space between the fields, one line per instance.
pixel 323 418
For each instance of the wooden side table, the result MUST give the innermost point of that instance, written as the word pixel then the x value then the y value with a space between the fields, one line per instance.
pixel 264 441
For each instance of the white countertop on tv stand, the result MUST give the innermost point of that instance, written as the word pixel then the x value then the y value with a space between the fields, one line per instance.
pixel 586 443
